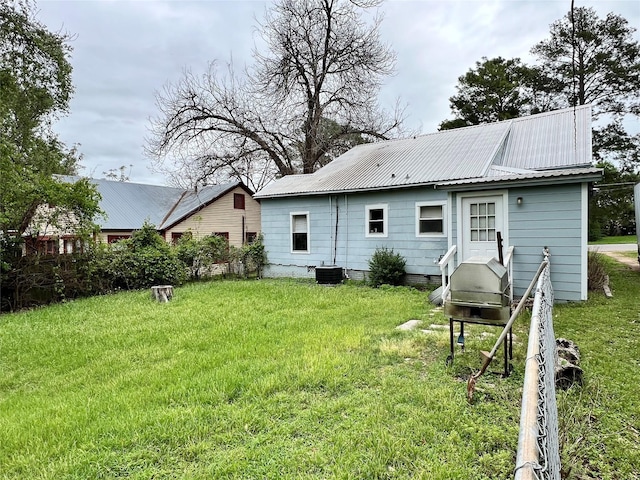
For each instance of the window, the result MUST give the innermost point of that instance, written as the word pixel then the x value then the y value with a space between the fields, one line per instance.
pixel 376 221
pixel 430 219
pixel 300 232
pixel 115 238
pixel 43 245
pixel 238 201
pixel 73 245
pixel 251 237
pixel 224 235
pixel 175 237
pixel 483 221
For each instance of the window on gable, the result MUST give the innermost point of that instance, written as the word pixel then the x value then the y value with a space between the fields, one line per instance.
pixel 376 217
pixel 430 219
pixel 238 201
pixel 300 232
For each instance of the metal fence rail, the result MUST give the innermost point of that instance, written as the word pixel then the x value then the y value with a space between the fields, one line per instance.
pixel 538 454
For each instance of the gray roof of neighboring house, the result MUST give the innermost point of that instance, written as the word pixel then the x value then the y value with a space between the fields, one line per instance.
pixel 128 205
pixel 547 141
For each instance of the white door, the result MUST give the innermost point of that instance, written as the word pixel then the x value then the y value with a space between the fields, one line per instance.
pixel 482 219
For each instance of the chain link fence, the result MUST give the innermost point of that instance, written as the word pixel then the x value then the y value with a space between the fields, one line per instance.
pixel 538 454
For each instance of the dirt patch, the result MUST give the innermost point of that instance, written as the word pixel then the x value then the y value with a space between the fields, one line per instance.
pixel 632 263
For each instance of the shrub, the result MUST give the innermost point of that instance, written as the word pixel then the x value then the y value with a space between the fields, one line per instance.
pixel 199 256
pixel 386 267
pixel 252 257
pixel 596 271
pixel 141 261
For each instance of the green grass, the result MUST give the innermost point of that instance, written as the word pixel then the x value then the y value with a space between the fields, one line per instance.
pixel 600 422
pixel 615 240
pixel 284 379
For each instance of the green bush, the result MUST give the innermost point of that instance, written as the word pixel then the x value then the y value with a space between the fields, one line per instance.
pixel 138 262
pixel 596 271
pixel 199 256
pixel 386 267
pixel 252 257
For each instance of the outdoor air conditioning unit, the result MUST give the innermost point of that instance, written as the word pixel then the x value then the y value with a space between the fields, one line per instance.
pixel 329 274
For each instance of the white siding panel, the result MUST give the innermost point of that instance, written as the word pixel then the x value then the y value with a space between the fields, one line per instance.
pixel 220 216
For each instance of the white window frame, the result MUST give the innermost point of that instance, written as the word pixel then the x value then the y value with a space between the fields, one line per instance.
pixel 291 232
pixel 385 220
pixel 442 204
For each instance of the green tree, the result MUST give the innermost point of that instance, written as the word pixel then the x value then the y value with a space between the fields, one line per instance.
pixel 597 61
pixel 594 60
pixel 322 67
pixel 585 60
pixel 35 88
pixel 611 205
pixel 490 92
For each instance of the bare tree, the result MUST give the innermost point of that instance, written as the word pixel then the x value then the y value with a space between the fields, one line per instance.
pixel 310 96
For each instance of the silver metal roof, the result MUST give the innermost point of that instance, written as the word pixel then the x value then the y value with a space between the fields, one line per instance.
pixel 128 205
pixel 567 175
pixel 193 200
pixel 560 139
pixel 557 139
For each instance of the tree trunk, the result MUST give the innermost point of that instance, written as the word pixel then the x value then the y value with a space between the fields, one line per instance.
pixel 162 293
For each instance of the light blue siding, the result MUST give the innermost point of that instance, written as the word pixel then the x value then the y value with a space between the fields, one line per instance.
pixel 347 245
pixel 549 216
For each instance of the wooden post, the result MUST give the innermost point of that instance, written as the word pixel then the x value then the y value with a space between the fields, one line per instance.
pixel 162 293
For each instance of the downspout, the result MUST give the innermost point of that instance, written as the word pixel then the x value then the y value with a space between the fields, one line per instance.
pixel 346 242
pixel 335 238
pixel 331 239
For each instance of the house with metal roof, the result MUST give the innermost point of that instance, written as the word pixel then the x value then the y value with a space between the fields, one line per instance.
pixel 524 181
pixel 228 210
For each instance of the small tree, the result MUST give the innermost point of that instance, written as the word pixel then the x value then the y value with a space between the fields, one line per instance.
pixel 386 267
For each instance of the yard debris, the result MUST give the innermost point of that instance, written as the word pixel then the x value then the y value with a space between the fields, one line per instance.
pixel 605 287
pixel 435 297
pixel 568 370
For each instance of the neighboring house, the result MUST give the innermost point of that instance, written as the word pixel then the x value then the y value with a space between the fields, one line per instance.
pixel 227 210
pixel 527 178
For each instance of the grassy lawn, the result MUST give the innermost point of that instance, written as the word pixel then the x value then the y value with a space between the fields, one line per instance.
pixel 615 240
pixel 600 422
pixel 284 379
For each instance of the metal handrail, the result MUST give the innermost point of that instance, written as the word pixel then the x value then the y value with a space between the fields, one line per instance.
pixel 445 269
pixel 508 262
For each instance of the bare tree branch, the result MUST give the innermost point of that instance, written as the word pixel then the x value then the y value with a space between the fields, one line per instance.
pixel 310 96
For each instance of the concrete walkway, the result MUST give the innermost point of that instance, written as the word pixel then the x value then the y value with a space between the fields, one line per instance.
pixel 621 247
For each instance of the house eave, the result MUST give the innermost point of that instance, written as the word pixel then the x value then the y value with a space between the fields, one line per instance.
pixel 345 191
pixel 491 182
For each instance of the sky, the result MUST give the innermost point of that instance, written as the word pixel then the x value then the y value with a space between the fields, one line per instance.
pixel 124 51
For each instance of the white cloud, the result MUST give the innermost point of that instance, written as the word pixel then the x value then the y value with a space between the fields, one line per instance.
pixel 124 51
